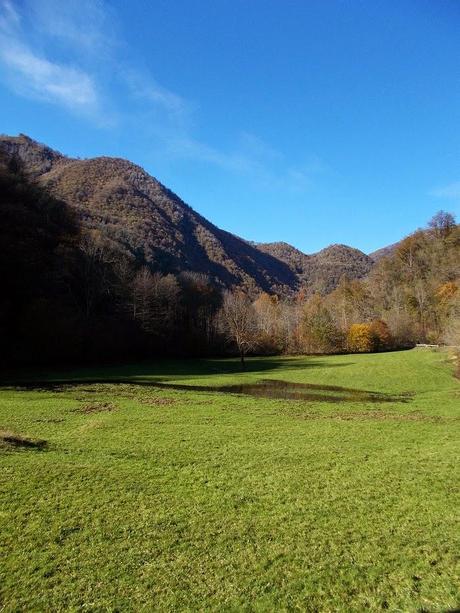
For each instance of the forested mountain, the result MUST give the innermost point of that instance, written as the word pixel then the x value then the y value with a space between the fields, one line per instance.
pixel 321 272
pixel 69 292
pixel 383 252
pixel 155 227
pixel 100 261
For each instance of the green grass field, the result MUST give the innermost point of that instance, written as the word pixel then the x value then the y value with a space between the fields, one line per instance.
pixel 155 499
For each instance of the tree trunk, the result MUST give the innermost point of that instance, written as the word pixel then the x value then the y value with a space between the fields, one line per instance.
pixel 243 363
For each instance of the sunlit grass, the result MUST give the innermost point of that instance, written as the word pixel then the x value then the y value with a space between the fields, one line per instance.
pixel 148 498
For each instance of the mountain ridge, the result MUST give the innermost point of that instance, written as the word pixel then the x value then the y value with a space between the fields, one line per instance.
pixel 157 228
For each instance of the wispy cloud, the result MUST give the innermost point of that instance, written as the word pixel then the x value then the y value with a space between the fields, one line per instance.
pixel 33 75
pixel 71 53
pixel 144 87
pixel 450 191
pixel 9 17
pixel 88 25
pixel 46 80
pixel 240 159
pixel 254 159
pixel 85 32
pixel 302 177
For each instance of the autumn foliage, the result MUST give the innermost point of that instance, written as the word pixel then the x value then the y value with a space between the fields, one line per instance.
pixel 360 338
pixel 382 336
pixel 366 337
pixel 70 293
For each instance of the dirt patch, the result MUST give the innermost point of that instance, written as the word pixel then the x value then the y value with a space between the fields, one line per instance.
pixel 456 361
pixel 158 402
pixel 13 440
pixel 120 389
pixel 97 407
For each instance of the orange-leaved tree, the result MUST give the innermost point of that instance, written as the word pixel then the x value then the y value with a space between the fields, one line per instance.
pixel 360 338
pixel 383 338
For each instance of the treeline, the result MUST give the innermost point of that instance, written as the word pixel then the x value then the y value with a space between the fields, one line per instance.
pixel 411 296
pixel 71 294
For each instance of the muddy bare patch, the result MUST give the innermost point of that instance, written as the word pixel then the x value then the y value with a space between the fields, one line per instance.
pixel 158 402
pixel 97 407
pixel 13 440
pixel 51 420
pixel 286 390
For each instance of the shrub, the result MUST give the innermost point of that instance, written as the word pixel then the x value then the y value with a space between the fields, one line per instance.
pixel 360 338
pixel 320 334
pixel 383 338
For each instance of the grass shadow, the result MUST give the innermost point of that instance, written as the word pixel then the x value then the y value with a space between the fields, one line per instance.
pixel 176 369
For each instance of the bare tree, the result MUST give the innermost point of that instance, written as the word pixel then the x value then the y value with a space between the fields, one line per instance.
pixel 442 224
pixel 96 269
pixel 268 314
pixel 239 321
pixel 155 300
pixel 143 287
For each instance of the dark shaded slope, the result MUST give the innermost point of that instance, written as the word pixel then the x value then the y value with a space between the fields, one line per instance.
pixel 148 220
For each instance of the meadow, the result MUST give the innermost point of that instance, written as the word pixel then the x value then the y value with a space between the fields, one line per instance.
pixel 117 495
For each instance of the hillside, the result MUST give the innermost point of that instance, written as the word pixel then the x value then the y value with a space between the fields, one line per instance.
pixel 157 228
pixel 383 252
pixel 82 243
pixel 321 271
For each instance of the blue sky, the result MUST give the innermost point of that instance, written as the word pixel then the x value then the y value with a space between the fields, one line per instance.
pixel 307 121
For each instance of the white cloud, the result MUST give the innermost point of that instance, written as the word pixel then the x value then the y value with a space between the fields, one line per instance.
pixel 301 178
pixel 35 76
pixel 253 158
pixel 242 159
pixel 144 87
pixel 46 80
pixel 68 53
pixel 257 147
pixel 87 25
pixel 9 18
pixel 83 31
pixel 450 191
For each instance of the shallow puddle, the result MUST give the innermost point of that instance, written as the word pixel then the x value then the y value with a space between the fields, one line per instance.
pixel 265 388
pixel 286 390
